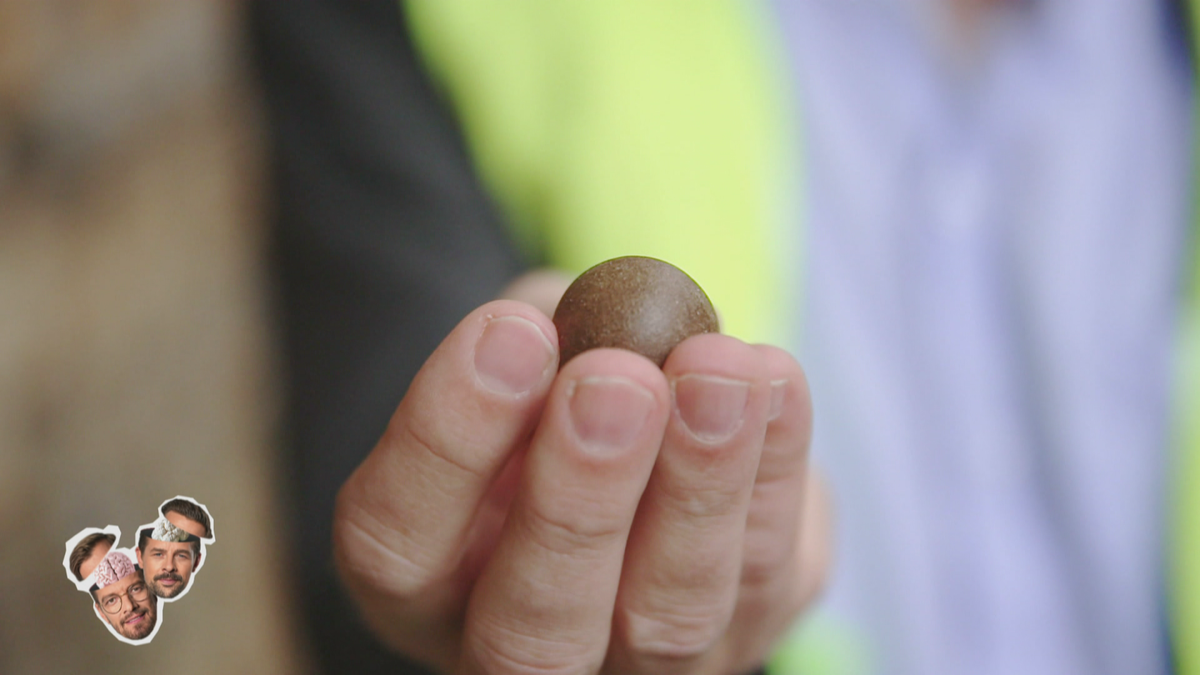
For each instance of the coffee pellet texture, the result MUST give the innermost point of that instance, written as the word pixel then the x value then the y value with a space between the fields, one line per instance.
pixel 641 304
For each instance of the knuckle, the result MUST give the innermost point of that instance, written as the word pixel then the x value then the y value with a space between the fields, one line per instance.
pixel 772 538
pixel 506 647
pixel 766 559
pixel 369 554
pixel 568 529
pixel 700 496
pixel 672 636
pixel 421 436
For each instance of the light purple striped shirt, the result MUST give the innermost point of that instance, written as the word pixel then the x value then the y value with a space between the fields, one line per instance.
pixel 994 241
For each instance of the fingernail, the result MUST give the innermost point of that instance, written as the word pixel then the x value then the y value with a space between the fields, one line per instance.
pixel 609 412
pixel 711 407
pixel 512 356
pixel 776 409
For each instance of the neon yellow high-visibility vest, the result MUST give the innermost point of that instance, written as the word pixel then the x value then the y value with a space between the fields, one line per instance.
pixel 1185 553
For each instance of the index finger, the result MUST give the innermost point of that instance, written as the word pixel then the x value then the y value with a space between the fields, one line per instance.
pixel 403 516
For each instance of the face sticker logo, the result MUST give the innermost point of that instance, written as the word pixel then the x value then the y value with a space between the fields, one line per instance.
pixel 129 586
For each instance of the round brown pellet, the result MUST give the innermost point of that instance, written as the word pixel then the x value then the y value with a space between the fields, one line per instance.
pixel 641 304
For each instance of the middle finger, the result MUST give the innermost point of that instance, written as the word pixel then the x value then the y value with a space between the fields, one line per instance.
pixel 682 566
pixel 544 601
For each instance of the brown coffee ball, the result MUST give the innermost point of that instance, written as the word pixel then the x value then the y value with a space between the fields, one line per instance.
pixel 640 304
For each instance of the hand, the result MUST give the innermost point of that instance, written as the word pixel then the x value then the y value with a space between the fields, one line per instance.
pixel 611 517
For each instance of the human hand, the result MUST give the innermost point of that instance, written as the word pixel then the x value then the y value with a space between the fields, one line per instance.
pixel 611 517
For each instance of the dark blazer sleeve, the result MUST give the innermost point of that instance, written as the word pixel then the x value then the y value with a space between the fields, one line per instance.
pixel 381 240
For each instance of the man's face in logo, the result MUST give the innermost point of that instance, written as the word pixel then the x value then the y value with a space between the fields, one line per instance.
pixel 129 606
pixel 167 566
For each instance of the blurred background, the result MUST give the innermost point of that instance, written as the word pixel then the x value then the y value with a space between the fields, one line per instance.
pixel 134 360
pixel 137 356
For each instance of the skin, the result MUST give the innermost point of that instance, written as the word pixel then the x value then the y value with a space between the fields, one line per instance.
pixel 187 525
pixel 611 518
pixel 136 619
pixel 184 523
pixel 98 552
pixel 167 566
